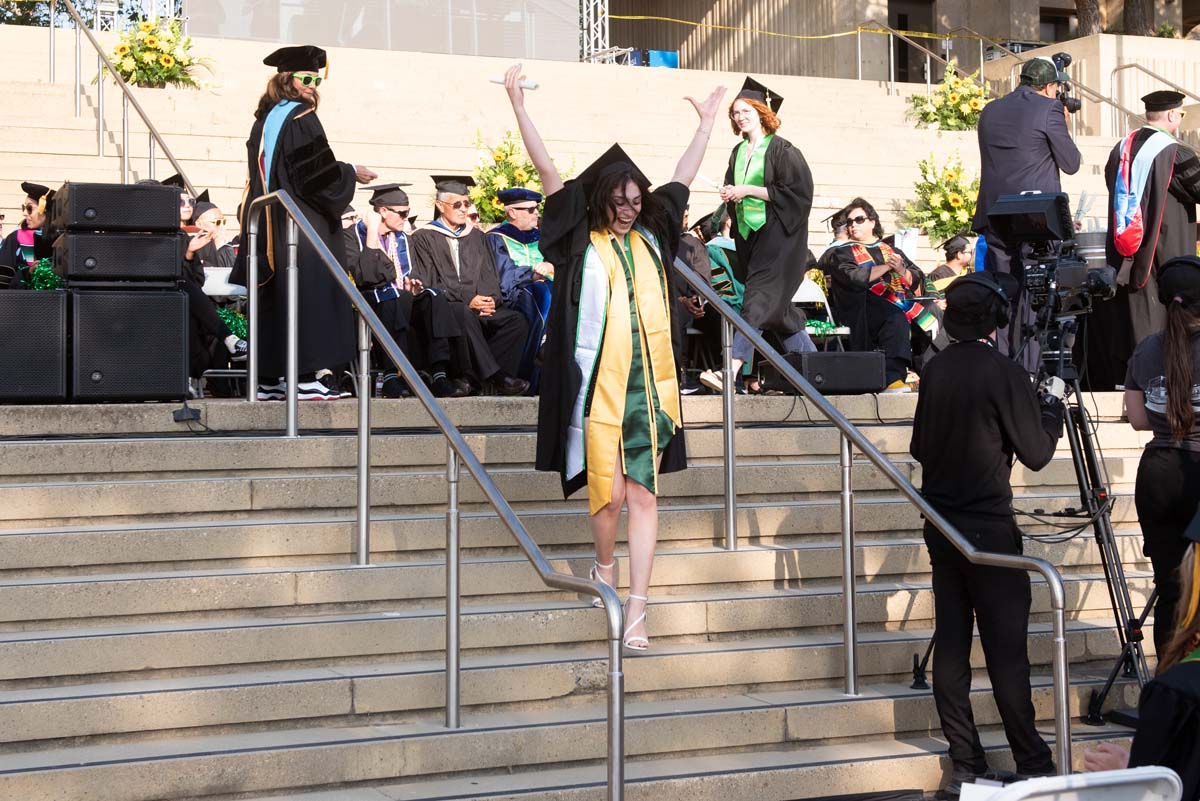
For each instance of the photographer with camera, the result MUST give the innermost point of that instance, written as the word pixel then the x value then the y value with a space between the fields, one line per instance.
pixel 1023 146
pixel 982 403
pixel 1154 185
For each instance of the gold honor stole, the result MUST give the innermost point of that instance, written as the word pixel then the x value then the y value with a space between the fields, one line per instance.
pixel 604 423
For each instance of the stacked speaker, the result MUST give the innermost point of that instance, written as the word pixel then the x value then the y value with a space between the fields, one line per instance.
pixel 119 331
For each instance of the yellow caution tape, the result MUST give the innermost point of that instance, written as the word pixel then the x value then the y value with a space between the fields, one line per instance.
pixel 859 29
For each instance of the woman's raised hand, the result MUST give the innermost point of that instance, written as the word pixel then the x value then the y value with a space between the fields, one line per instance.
pixel 707 109
pixel 512 85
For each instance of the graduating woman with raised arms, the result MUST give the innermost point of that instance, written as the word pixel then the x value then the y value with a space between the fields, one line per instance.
pixel 609 416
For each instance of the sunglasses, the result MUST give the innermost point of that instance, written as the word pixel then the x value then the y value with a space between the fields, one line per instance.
pixel 308 80
pixel 403 212
pixel 186 201
pixel 859 220
pixel 28 209
pixel 457 205
pixel 530 209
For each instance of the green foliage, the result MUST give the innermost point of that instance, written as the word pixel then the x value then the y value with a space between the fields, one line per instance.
pixel 501 167
pixel 954 105
pixel 1167 31
pixel 156 53
pixel 945 201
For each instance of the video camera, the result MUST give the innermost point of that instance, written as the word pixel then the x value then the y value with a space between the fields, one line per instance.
pixel 1071 104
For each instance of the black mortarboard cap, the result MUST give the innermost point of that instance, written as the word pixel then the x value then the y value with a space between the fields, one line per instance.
pixel 348 210
pixel 388 195
pixel 753 90
pixel 1179 278
pixel 955 244
pixel 1163 100
pixel 413 220
pixel 177 180
pixel 453 184
pixel 614 160
pixel 298 58
pixel 35 191
pixel 201 207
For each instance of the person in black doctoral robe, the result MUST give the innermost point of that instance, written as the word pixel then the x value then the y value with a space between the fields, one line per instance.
pixel 611 418
pixel 769 191
pixel 1167 204
pixel 453 257
pixel 287 150
pixel 420 320
pixel 25 247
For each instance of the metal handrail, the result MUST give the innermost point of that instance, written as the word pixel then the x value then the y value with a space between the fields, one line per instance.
pixel 892 32
pixel 1135 66
pixel 458 451
pixel 127 98
pixel 852 437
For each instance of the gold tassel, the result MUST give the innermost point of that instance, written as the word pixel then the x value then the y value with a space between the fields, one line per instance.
pixel 1194 598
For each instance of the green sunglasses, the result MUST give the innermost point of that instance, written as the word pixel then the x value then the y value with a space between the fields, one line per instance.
pixel 308 80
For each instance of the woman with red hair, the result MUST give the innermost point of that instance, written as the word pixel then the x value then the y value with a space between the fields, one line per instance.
pixel 768 191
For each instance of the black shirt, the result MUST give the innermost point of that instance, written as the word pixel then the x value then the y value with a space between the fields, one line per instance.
pixel 1146 372
pixel 977 409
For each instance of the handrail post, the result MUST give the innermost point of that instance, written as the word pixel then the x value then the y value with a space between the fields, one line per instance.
pixel 53 7
pixel 616 721
pixel 891 62
pixel 124 138
pixel 252 216
pixel 364 442
pixel 858 35
pixel 452 591
pixel 293 331
pixel 1062 704
pixel 78 72
pixel 850 623
pixel 99 104
pixel 928 77
pixel 151 173
pixel 728 378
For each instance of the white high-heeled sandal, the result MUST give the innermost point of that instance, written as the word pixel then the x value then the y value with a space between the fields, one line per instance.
pixel 639 642
pixel 595 576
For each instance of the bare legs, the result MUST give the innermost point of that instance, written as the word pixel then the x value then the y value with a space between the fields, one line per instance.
pixel 643 538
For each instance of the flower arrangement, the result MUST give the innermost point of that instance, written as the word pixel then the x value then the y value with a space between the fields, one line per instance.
pixel 502 167
pixel 156 53
pixel 954 105
pixel 945 201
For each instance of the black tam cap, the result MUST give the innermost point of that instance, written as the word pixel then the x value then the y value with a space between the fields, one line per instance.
pixel 35 191
pixel 299 58
pixel 974 303
pixel 615 160
pixel 202 207
pixel 453 184
pixel 1163 100
pixel 954 245
pixel 753 90
pixel 388 195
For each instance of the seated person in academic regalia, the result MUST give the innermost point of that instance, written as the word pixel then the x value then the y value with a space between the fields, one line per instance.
pixel 878 292
pixel 722 270
pixel 525 277
pixel 211 344
pixel 960 260
pixel 453 257
pixel 421 321
pixel 24 247
pixel 187 203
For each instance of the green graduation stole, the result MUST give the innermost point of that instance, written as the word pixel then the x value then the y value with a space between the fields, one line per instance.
pixel 894 289
pixel 751 211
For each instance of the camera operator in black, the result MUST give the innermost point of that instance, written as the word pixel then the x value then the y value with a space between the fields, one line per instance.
pixel 1023 146
pixel 977 409
pixel 1162 394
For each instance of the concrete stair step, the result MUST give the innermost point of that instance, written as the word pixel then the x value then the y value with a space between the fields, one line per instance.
pixel 756 731
pixel 277 640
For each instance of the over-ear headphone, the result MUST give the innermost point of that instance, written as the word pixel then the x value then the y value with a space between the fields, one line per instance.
pixel 1003 308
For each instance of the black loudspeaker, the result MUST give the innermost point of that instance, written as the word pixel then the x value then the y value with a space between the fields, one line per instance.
pixel 33 355
pixel 129 345
pixel 114 207
pixel 855 373
pixel 118 257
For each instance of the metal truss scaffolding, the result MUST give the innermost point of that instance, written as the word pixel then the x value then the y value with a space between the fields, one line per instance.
pixel 594 15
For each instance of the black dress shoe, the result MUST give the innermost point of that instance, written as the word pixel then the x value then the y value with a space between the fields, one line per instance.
pixel 394 387
pixel 509 386
pixel 445 388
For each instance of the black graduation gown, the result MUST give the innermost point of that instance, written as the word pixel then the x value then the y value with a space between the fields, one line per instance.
pixel 1114 327
pixel 773 258
pixel 1168 732
pixel 564 242
pixel 10 257
pixel 304 166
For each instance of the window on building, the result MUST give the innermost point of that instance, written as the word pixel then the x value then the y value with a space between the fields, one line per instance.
pixel 1058 24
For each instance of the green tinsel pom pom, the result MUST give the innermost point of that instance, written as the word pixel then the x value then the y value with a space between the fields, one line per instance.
pixel 234 320
pixel 42 276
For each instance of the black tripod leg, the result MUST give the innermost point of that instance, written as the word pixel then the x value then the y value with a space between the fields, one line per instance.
pixel 919 665
pixel 1095 711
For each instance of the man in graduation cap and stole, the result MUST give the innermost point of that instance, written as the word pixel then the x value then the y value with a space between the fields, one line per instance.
pixel 454 258
pixel 524 275
pixel 24 247
pixel 420 320
pixel 287 150
pixel 1154 184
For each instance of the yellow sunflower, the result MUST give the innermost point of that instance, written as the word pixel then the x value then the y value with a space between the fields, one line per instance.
pixel 955 199
pixel 166 60
pixel 497 205
pixel 145 26
pixel 520 176
pixel 151 42
pixel 949 176
pixel 975 104
pixel 498 155
pixel 122 50
pixel 954 98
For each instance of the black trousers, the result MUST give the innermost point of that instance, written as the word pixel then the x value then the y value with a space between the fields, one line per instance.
pixel 206 332
pixel 490 345
pixel 416 325
pixel 1167 490
pixel 997 600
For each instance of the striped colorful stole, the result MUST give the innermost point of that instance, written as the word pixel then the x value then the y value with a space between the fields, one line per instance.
pixel 893 288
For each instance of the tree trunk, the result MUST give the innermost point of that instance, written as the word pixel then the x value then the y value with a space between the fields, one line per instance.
pixel 1139 17
pixel 1088 12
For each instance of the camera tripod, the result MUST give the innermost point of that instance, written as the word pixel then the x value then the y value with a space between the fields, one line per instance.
pixel 1056 338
